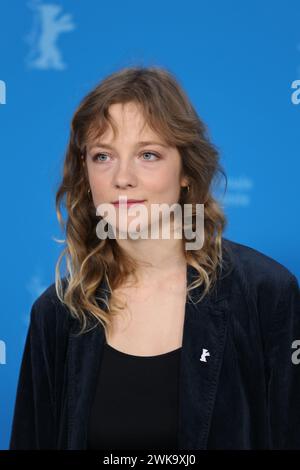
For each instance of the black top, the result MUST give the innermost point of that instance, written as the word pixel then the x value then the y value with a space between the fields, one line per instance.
pixel 136 401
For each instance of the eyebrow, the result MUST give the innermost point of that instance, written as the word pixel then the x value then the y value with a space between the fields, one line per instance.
pixel 138 144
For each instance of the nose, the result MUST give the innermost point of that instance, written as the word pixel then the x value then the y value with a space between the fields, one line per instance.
pixel 124 176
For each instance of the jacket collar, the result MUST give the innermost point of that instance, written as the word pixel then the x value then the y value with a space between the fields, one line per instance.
pixel 205 327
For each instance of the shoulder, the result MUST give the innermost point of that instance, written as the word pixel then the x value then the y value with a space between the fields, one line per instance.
pixel 254 264
pixel 48 312
pixel 48 337
pixel 257 274
pixel 263 291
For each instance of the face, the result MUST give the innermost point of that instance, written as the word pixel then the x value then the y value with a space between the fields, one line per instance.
pixel 135 163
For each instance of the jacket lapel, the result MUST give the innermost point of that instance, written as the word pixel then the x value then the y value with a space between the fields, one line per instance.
pixel 85 352
pixel 204 336
pixel 205 327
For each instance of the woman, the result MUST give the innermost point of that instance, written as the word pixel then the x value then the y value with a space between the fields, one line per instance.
pixel 146 343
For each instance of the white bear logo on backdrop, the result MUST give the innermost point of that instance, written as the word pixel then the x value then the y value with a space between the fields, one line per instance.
pixel 47 27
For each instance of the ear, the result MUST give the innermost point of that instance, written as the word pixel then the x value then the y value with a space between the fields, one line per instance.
pixel 184 181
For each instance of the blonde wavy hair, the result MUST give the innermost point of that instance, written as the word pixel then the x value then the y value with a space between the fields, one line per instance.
pixel 89 260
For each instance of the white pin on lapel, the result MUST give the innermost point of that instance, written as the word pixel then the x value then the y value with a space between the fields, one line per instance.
pixel 204 354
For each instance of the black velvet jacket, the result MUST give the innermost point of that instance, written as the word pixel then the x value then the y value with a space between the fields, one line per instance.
pixel 246 395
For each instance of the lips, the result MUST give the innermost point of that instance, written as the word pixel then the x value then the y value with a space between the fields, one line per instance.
pixel 129 202
pixel 123 200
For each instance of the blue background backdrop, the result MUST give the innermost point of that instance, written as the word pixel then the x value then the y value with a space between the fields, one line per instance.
pixel 236 60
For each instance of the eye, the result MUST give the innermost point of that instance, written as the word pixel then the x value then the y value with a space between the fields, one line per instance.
pixel 151 153
pixel 95 157
pixel 98 156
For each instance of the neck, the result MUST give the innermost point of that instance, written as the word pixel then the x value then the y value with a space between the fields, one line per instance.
pixel 156 258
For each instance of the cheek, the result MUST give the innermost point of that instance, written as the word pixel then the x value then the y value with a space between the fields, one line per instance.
pixel 166 183
pixel 98 184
